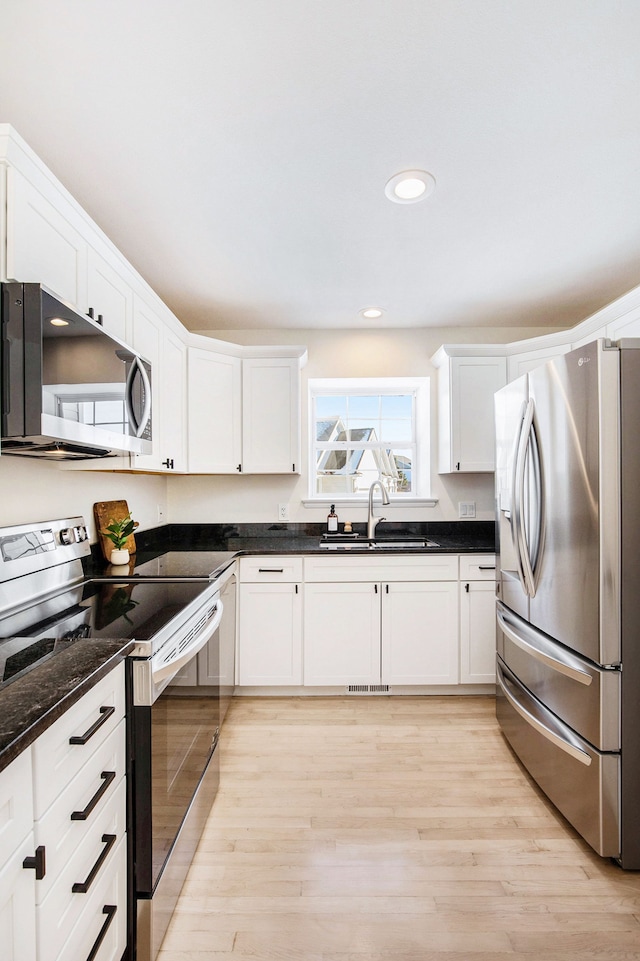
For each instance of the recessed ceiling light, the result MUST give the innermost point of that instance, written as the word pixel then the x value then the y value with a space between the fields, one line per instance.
pixel 59 322
pixel 371 313
pixel 410 186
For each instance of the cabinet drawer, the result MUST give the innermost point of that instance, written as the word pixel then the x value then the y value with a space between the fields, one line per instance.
pixel 410 567
pixel 55 760
pixel 16 804
pixel 63 907
pixel 89 793
pixel 477 567
pixel 270 569
pixel 99 922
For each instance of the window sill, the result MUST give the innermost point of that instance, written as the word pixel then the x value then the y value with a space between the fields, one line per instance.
pixel 364 501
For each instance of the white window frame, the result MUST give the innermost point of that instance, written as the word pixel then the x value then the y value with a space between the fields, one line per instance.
pixel 420 388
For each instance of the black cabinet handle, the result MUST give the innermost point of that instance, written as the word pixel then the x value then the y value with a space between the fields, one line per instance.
pixel 106 713
pixel 271 570
pixel 458 466
pixel 38 863
pixel 486 567
pixel 81 887
pixel 110 911
pixel 239 468
pixel 107 777
pixel 168 463
pixel 466 587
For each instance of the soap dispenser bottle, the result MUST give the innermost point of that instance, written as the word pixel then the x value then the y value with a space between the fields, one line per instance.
pixel 332 521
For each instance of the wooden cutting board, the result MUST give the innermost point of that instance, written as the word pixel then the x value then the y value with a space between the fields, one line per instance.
pixel 105 512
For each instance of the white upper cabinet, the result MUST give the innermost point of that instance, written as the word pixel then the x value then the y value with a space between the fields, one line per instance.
pixel 244 412
pixel 467 383
pixel 109 296
pixel 167 354
pixel 42 245
pixel 214 412
pixel 271 415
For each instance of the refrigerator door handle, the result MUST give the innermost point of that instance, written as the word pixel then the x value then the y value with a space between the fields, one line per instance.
pixel 555 737
pixel 525 569
pixel 582 677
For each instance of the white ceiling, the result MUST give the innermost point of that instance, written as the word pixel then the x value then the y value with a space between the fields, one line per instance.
pixel 237 151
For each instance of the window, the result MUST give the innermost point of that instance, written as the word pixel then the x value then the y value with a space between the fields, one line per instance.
pixel 369 429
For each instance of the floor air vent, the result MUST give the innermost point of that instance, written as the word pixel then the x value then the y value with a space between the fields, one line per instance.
pixel 367 689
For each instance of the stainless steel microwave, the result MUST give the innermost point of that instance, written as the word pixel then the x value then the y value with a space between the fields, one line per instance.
pixel 70 390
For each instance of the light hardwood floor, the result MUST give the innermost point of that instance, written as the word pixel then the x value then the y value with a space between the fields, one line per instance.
pixel 381 828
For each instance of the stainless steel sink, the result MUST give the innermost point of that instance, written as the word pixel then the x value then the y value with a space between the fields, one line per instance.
pixel 381 544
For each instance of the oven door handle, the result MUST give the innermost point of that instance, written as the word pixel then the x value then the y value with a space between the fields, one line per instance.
pixel 170 668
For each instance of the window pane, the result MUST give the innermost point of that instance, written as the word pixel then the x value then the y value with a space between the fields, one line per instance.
pixel 396 405
pixel 331 405
pixel 402 462
pixel 396 430
pixel 363 406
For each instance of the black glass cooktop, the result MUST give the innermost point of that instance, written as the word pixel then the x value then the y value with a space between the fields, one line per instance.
pixel 134 610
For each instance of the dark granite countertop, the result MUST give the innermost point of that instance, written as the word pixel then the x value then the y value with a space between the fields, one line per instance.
pixel 30 704
pixel 230 540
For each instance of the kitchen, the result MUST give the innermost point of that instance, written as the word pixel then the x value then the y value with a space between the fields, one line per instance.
pixel 345 347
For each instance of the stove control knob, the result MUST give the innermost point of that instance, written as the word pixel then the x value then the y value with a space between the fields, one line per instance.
pixel 67 535
pixel 81 534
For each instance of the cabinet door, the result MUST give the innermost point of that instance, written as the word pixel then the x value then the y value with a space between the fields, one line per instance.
pixel 109 296
pixel 478 632
pixel 158 344
pixel 420 633
pixel 214 412
pixel 466 386
pixel 173 399
pixel 342 634
pixel 270 634
pixel 42 245
pixel 270 416
pixel 17 906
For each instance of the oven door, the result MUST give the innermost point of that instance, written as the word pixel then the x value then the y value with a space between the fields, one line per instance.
pixel 175 774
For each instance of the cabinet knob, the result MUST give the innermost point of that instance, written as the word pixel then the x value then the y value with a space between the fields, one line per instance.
pixel 37 863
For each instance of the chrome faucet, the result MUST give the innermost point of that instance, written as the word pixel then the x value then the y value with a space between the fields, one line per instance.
pixel 371 520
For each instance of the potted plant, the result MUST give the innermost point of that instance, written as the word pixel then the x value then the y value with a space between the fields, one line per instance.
pixel 119 533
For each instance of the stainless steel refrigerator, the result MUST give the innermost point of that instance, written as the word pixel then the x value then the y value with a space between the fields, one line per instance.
pixel 568 609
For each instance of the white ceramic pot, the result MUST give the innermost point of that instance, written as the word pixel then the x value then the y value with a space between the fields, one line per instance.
pixel 119 556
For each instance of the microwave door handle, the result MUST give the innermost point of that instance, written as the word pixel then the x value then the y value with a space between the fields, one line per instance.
pixel 146 410
pixel 169 670
pixel 139 424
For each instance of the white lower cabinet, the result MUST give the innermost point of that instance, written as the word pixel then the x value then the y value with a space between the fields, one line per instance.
pixel 420 633
pixel 63 867
pixel 389 620
pixel 341 634
pixel 17 843
pixel 270 621
pixel 478 619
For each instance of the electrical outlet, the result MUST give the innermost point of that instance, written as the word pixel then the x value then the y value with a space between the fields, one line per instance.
pixel 283 512
pixel 466 509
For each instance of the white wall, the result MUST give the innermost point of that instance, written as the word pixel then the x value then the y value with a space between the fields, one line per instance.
pixel 350 353
pixel 35 490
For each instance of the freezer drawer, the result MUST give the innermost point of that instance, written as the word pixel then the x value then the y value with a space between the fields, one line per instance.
pixel 585 696
pixel 582 782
